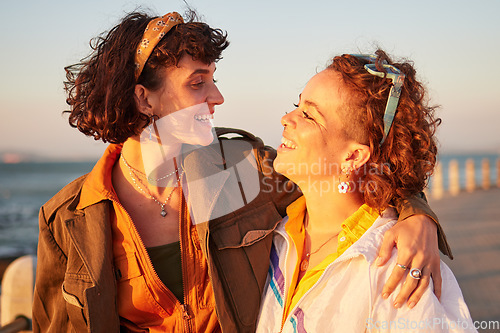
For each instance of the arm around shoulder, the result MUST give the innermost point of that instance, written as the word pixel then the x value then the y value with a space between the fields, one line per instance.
pixel 417 205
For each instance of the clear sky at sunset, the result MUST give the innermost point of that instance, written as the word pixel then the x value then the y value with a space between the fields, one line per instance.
pixel 276 46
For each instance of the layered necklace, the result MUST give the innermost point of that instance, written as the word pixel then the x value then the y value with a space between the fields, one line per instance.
pixel 304 264
pixel 145 190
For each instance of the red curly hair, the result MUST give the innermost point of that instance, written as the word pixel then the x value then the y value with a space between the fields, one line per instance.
pixel 101 87
pixel 402 165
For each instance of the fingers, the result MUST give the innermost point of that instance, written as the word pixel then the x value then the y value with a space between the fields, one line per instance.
pixel 408 287
pixel 432 270
pixel 436 279
pixel 385 251
pixel 413 289
pixel 397 274
pixel 421 286
pixel 417 248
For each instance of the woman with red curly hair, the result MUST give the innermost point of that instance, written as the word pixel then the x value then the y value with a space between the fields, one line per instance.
pixel 361 136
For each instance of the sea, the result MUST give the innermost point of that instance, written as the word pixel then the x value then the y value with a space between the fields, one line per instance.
pixel 25 187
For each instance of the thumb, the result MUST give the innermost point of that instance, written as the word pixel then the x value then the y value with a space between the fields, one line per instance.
pixel 385 251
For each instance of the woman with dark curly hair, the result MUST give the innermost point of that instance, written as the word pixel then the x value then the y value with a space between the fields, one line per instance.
pixel 361 136
pixel 180 245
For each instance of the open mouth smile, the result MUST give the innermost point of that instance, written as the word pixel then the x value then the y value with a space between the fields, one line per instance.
pixel 204 118
pixel 285 143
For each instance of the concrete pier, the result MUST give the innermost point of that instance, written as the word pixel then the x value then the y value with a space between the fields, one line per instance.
pixel 470 177
pixel 471 222
pixel 454 177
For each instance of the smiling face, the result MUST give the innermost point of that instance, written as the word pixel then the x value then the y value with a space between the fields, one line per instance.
pixel 185 103
pixel 314 143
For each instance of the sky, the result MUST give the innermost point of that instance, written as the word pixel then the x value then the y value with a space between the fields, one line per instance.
pixel 276 46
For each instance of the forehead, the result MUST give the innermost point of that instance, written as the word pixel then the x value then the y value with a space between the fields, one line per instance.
pixel 188 66
pixel 324 89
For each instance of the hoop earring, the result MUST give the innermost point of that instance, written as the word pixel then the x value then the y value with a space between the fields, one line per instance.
pixel 344 186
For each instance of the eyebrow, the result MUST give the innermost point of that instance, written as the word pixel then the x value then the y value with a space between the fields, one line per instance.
pixel 311 103
pixel 200 71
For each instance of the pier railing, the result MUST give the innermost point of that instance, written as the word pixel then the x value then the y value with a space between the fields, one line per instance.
pixel 472 181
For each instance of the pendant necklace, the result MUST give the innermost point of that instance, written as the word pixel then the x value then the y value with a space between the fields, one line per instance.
pixel 304 264
pixel 149 178
pixel 163 212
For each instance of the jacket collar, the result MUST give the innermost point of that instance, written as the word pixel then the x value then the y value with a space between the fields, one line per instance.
pixel 98 185
pixel 205 178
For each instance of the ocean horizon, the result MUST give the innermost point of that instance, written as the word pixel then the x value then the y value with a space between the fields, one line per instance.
pixel 26 186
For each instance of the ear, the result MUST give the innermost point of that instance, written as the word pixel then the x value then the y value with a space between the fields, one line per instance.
pixel 143 96
pixel 358 156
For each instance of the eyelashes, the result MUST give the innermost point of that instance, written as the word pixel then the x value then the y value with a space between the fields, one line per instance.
pixel 198 85
pixel 306 115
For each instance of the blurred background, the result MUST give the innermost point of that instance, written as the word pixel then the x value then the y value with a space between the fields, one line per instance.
pixel 276 46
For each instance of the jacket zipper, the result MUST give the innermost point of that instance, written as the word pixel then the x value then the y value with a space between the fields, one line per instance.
pixel 208 258
pixel 185 306
pixel 285 292
pixel 335 262
pixel 181 307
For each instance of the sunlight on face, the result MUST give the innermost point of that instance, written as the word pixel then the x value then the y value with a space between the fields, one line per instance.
pixel 313 143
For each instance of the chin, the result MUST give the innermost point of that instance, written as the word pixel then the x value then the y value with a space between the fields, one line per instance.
pixel 281 166
pixel 201 139
pixel 206 140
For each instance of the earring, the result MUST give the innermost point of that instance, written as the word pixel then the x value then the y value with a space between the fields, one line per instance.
pixel 150 126
pixel 344 186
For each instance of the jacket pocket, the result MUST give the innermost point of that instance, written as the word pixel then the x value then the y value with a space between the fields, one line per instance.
pixel 127 267
pixel 71 299
pixel 241 255
pixel 247 228
pixel 73 291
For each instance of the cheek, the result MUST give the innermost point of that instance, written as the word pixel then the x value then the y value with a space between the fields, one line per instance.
pixel 196 94
pixel 313 144
pixel 326 151
pixel 183 97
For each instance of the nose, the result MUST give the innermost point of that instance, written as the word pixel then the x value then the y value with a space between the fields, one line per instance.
pixel 287 119
pixel 215 97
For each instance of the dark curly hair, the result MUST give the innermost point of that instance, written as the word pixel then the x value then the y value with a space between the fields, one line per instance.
pixel 101 87
pixel 402 165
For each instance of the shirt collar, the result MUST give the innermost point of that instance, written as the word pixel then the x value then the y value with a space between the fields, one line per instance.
pixel 357 224
pixel 296 212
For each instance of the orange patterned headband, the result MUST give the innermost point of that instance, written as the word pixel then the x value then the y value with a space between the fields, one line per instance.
pixel 157 28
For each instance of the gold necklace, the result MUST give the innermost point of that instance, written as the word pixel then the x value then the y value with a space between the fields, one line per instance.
pixel 148 193
pixel 151 180
pixel 304 264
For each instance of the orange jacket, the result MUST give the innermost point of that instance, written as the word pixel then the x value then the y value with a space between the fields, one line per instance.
pixel 144 302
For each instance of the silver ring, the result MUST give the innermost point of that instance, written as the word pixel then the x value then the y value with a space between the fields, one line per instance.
pixel 402 266
pixel 415 273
